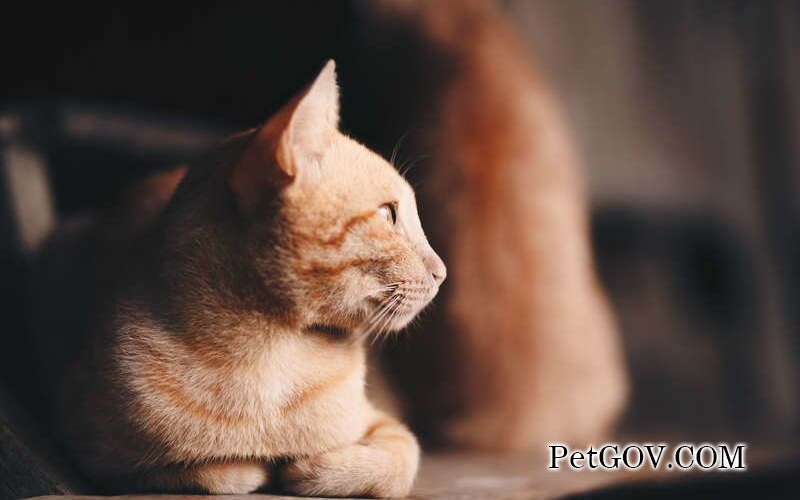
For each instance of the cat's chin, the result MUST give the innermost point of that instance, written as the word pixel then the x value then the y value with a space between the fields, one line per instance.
pixel 404 318
pixel 400 323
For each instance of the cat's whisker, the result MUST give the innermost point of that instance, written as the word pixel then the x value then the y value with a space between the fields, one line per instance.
pixel 396 148
pixel 389 318
pixel 389 287
pixel 376 322
pixel 397 313
pixel 384 310
pixel 370 323
pixel 383 307
pixel 384 334
pixel 411 164
pixel 379 330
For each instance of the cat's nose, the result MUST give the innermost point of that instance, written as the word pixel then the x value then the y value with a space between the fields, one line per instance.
pixel 435 266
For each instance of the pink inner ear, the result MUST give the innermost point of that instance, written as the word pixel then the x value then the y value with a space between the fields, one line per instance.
pixel 293 139
pixel 314 120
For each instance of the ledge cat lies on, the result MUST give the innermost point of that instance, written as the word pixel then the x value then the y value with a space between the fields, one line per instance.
pixel 227 350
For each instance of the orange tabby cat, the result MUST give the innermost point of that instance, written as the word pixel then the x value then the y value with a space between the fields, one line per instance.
pixel 228 353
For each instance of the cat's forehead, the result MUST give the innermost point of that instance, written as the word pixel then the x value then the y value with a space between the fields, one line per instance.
pixel 355 169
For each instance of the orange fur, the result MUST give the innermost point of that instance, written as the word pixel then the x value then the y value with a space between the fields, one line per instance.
pixel 228 354
pixel 523 349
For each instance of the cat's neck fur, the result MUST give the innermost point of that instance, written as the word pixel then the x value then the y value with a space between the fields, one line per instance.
pixel 202 288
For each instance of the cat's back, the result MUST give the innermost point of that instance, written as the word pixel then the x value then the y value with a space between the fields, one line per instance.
pixel 77 267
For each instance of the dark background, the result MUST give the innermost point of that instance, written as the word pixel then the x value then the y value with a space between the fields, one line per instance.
pixel 686 113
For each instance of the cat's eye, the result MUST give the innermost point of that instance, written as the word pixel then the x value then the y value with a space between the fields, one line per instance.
pixel 389 211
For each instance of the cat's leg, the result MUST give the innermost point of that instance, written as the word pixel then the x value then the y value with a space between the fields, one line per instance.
pixel 382 464
pixel 217 478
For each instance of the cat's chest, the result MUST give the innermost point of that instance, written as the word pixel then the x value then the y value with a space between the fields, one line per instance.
pixel 293 398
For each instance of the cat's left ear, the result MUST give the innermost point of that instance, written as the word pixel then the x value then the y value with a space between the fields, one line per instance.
pixel 312 126
pixel 290 146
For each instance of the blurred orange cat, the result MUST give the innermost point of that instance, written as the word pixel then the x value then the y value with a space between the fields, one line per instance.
pixel 521 349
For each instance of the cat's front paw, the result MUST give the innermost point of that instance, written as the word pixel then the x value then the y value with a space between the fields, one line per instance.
pixel 235 478
pixel 373 470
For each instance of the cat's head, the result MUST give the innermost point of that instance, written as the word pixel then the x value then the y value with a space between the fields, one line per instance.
pixel 349 242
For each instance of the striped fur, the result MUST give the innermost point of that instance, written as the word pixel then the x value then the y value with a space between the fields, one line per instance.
pixel 228 350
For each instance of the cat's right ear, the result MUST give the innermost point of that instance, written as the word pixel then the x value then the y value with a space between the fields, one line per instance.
pixel 291 144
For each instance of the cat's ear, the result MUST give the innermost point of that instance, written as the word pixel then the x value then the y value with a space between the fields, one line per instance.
pixel 291 144
pixel 313 124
